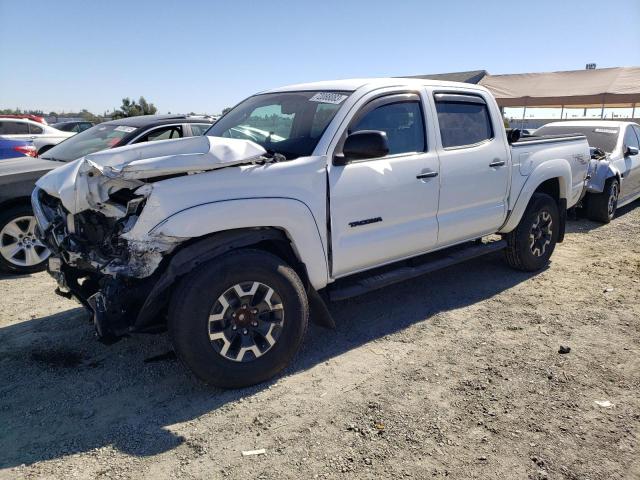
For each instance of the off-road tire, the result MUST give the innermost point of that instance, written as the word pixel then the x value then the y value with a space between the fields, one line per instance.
pixel 598 204
pixel 197 293
pixel 7 216
pixel 519 254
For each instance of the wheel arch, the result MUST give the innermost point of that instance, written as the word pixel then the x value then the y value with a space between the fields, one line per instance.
pixel 15 201
pixel 193 253
pixel 553 178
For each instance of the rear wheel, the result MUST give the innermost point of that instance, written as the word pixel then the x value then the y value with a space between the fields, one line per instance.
pixel 531 244
pixel 20 249
pixel 601 207
pixel 239 319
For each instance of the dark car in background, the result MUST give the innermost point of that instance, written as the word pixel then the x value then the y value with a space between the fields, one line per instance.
pixel 73 126
pixel 127 131
pixel 20 251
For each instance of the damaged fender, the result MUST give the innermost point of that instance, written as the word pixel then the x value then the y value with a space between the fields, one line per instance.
pixel 601 172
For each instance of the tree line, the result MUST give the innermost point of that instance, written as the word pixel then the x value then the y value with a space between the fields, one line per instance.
pixel 129 108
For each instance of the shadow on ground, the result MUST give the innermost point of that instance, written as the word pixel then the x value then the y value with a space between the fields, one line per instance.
pixel 61 392
pixel 585 225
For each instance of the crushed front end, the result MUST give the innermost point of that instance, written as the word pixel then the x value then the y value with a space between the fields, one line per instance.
pixel 93 261
pixel 90 211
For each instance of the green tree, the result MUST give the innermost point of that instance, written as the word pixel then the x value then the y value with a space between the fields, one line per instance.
pixel 225 110
pixel 130 108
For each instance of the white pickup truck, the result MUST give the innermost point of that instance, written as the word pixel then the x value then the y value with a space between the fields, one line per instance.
pixel 297 196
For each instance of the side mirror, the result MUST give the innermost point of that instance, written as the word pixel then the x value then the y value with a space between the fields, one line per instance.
pixel 363 144
pixel 630 151
pixel 513 135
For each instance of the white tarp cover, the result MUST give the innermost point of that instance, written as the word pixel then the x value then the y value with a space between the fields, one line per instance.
pixel 578 88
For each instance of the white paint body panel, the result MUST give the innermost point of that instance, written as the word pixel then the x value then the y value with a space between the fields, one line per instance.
pixel 467 200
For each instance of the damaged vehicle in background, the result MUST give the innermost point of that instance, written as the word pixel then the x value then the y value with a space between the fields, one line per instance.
pixel 20 251
pixel 234 243
pixel 615 176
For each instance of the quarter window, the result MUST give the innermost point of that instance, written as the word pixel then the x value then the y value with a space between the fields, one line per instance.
pixel 463 124
pixel 34 129
pixel 401 121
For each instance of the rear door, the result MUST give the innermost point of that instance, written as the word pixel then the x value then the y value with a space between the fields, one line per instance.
pixel 474 166
pixel 384 209
pixel 16 130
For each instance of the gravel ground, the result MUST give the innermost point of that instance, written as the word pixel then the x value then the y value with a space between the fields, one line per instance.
pixel 454 375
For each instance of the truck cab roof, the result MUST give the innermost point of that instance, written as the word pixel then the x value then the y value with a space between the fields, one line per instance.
pixel 353 84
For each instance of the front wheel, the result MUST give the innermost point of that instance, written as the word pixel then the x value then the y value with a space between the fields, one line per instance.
pixel 239 319
pixel 531 243
pixel 20 250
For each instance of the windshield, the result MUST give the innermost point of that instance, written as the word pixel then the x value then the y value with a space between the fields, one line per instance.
pixel 604 138
pixel 91 140
pixel 290 124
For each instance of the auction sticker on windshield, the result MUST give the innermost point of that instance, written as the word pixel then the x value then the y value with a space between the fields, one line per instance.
pixel 328 97
pixel 122 128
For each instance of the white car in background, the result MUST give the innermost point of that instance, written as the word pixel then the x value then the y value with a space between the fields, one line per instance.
pixel 43 136
pixel 615 174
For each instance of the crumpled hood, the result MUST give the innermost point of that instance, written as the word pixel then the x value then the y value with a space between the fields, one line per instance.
pixel 87 182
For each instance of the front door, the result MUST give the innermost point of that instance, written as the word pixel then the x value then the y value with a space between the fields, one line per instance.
pixel 384 209
pixel 474 168
pixel 630 187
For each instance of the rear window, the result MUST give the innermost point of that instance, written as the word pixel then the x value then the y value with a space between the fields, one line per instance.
pixel 602 137
pixel 463 124
pixel 91 140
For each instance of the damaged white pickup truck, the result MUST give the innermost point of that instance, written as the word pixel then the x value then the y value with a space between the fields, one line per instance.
pixel 298 196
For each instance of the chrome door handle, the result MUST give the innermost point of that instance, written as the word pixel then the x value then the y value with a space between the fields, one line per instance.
pixel 427 175
pixel 497 163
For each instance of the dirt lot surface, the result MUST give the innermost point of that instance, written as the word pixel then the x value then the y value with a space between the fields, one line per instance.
pixel 455 375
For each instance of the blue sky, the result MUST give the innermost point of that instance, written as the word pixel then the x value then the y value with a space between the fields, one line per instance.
pixel 204 55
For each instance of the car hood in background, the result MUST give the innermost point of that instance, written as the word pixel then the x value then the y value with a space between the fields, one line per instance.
pixel 86 183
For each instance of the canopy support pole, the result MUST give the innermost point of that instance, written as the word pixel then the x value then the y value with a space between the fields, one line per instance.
pixel 633 113
pixel 602 111
pixel 561 112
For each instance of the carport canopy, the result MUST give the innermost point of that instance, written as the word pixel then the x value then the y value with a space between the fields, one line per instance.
pixel 610 87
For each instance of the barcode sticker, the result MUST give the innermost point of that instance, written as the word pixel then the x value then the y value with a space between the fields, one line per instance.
pixel 328 97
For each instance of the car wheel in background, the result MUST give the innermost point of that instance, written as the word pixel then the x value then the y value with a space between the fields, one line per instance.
pixel 44 149
pixel 601 207
pixel 20 249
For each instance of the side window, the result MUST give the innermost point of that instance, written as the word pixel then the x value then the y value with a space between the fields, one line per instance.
pixel 164 133
pixel 637 130
pixel 15 128
pixel 630 139
pixel 463 123
pixel 401 121
pixel 34 129
pixel 199 128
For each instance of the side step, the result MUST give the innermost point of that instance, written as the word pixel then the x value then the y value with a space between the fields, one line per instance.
pixel 406 270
